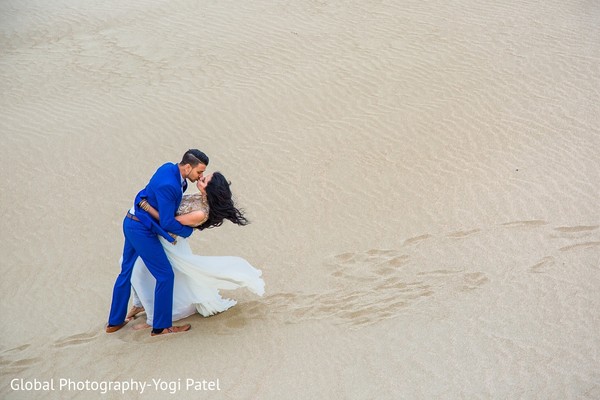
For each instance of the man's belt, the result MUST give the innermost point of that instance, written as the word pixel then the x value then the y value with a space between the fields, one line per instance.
pixel 133 217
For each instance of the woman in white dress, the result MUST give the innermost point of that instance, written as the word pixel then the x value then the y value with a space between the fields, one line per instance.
pixel 197 278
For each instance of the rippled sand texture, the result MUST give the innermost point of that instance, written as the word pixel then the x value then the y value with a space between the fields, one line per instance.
pixel 422 180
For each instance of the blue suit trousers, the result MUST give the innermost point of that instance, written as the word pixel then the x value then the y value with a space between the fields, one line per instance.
pixel 141 242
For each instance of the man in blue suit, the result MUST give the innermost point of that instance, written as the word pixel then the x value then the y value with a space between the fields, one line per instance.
pixel 163 192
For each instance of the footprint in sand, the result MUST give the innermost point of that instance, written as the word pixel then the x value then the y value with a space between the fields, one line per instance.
pixel 462 234
pixel 584 245
pixel 416 239
pixel 376 284
pixel 574 232
pixel 18 366
pixel 542 265
pixel 367 287
pixel 525 224
pixel 79 338
pixel 576 229
pixel 13 361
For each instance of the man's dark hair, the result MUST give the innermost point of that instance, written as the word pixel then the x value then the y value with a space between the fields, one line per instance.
pixel 194 157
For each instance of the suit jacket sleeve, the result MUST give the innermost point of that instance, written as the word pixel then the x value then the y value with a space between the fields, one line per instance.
pixel 167 199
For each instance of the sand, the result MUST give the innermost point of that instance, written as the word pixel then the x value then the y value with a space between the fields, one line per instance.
pixel 422 179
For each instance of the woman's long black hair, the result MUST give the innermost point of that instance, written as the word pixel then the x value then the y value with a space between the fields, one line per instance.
pixel 221 204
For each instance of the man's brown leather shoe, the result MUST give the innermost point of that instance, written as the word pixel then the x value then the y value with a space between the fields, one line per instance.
pixel 114 328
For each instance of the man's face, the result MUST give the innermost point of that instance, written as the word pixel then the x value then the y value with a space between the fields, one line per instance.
pixel 196 172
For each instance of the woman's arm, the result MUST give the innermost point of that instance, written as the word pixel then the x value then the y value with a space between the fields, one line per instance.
pixel 192 219
pixel 144 205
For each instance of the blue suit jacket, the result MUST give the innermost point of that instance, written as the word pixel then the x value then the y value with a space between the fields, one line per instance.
pixel 164 193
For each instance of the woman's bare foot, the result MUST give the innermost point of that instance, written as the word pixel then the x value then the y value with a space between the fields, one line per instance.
pixel 140 326
pixel 173 329
pixel 133 312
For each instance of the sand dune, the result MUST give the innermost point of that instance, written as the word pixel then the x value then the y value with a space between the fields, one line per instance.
pixel 422 180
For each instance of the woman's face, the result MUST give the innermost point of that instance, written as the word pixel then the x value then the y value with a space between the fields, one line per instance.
pixel 202 182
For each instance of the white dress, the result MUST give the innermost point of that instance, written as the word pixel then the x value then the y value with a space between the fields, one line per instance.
pixel 197 278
